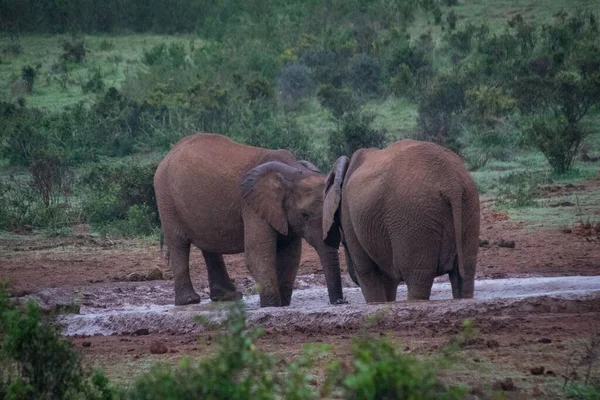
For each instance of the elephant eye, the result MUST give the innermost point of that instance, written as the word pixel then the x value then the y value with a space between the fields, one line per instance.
pixel 304 215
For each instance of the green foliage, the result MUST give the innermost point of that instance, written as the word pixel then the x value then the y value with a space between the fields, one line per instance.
pixel 439 109
pixel 583 392
pixel 365 74
pixel 382 371
pixel 338 101
pixel 451 19
pixel 95 83
pixel 295 82
pixel 36 363
pixel 355 131
pixel 556 138
pixel 237 371
pixel 28 74
pixel 519 189
pixel 119 199
pixel 74 51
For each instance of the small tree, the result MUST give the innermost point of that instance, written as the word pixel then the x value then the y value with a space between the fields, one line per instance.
pixel 354 132
pixel 28 74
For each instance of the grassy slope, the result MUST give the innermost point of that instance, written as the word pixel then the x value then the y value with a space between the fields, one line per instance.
pixel 398 116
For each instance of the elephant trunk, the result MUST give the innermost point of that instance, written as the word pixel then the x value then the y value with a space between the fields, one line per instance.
pixel 330 261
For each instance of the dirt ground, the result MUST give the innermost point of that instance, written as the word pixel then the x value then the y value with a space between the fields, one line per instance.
pixel 514 338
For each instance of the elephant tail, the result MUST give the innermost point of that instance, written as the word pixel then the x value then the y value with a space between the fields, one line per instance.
pixel 456 204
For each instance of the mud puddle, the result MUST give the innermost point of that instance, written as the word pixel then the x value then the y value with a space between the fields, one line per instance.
pixel 130 308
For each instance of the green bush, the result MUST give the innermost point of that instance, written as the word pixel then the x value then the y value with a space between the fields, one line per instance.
pixel 28 75
pixel 354 132
pixel 36 363
pixel 95 83
pixel 519 189
pixel 382 371
pixel 338 101
pixel 120 199
pixel 364 73
pixel 556 138
pixel 74 51
pixel 452 19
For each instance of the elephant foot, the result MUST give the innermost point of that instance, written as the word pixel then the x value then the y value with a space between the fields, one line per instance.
pixel 185 297
pixel 226 296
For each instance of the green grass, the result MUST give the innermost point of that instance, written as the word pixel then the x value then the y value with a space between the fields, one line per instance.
pixel 496 13
pixel 123 56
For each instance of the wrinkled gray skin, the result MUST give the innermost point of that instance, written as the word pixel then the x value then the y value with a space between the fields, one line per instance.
pixel 227 198
pixel 409 212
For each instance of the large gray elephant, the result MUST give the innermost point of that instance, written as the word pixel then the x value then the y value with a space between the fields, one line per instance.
pixel 409 212
pixel 226 198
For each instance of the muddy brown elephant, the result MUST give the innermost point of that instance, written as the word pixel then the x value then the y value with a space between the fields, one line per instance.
pixel 409 212
pixel 227 198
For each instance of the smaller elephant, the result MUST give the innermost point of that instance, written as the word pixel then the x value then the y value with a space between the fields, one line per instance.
pixel 226 198
pixel 409 212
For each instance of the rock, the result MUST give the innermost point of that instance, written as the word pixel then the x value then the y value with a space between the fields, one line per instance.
pixel 537 370
pixel 506 385
pixel 141 332
pixel 86 344
pixel 134 277
pixel 158 347
pixel 492 344
pixel 155 274
pixel 506 243
pixel 545 340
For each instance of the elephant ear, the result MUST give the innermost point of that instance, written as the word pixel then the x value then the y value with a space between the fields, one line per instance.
pixel 264 189
pixel 333 194
pixel 310 166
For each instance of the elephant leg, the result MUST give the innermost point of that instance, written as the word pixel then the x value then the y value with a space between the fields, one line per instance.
pixel 260 251
pixel 179 262
pixel 288 262
pixel 391 289
pixel 420 280
pixel 456 281
pixel 221 286
pixel 462 288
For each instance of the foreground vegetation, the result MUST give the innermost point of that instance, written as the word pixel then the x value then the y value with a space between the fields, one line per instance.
pixel 37 363
pixel 87 118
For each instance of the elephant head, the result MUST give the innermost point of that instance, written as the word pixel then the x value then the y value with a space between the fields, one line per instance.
pixel 290 199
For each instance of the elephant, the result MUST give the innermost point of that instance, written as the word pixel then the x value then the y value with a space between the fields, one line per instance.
pixel 409 212
pixel 227 198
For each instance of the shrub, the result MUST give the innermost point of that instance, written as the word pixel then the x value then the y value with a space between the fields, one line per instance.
pixel 36 363
pixel 28 75
pixel 519 189
pixel 106 45
pixel 13 49
pixel 439 111
pixel 260 90
pixel 237 371
pixel 74 51
pixel 382 371
pixel 295 82
pixel 337 100
pixel 355 131
pixel 365 74
pixel 556 138
pixel 452 19
pixel 122 193
pixel 437 15
pixel 95 83
pixel 451 3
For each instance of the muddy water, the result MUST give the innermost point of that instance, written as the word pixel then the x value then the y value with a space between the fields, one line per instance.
pixel 125 308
